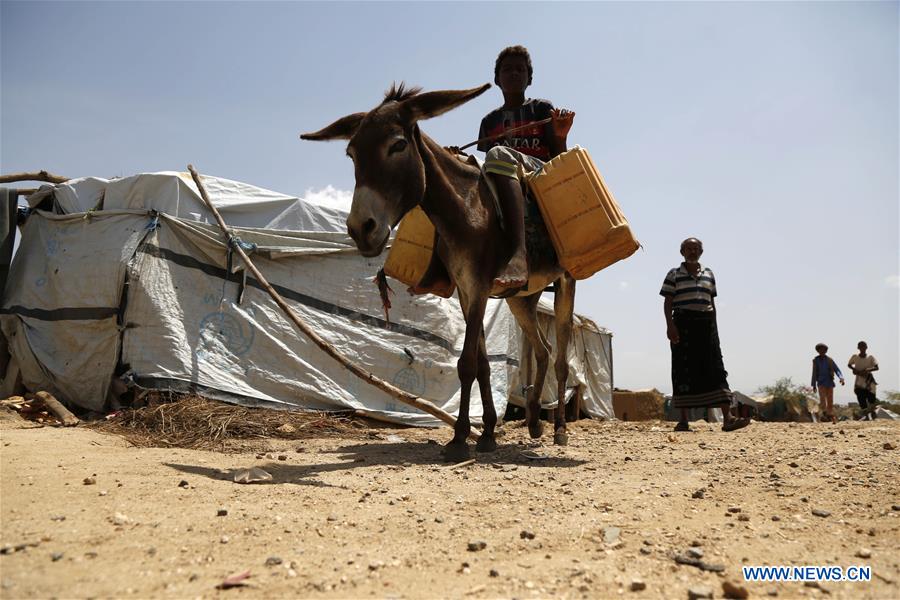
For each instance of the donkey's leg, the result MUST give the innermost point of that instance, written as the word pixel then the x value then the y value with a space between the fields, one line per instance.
pixel 467 369
pixel 563 307
pixel 525 312
pixel 487 441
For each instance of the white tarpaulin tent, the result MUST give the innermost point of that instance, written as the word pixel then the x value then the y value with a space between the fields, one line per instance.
pixel 129 272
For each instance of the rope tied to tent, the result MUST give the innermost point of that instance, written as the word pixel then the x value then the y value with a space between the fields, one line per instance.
pixel 236 243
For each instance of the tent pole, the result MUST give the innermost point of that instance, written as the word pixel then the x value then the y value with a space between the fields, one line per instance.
pixel 330 350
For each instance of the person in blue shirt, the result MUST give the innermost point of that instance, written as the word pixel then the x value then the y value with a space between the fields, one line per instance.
pixel 823 371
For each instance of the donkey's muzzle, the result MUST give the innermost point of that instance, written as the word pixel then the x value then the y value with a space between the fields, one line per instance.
pixel 367 224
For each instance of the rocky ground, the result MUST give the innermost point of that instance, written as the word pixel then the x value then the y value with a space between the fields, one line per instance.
pixel 626 510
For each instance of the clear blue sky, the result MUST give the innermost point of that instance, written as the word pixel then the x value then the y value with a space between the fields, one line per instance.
pixel 769 130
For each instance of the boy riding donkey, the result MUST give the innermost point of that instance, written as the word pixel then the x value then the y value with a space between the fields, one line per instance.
pixel 524 131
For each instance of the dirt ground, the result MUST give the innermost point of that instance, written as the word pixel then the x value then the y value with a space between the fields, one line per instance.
pixel 385 517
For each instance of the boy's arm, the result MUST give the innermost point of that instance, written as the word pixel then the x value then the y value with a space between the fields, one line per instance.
pixel 837 370
pixel 559 129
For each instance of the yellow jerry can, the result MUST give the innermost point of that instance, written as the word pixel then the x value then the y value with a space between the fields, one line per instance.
pixel 586 225
pixel 411 251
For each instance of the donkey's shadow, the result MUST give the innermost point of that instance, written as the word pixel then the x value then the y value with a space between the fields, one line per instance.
pixel 392 454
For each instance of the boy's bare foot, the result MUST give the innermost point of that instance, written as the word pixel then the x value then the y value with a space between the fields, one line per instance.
pixel 514 274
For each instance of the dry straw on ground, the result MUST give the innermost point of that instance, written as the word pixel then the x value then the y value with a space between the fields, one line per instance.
pixel 195 422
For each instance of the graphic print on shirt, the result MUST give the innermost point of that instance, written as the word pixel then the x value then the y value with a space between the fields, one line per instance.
pixel 533 141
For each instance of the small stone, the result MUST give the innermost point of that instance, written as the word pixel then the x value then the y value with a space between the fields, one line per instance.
pixel 273 561
pixel 102 493
pixel 224 539
pixel 889 446
pixel 638 585
pixel 120 519
pixel 699 592
pixel 183 483
pixel 526 535
pixel 695 552
pixel 89 481
pixel 821 513
pixel 286 428
pixel 375 565
pixel 734 509
pixel 698 494
pixel 56 556
pixel 222 512
pixel 476 546
pixel 743 517
pixel 772 591
pixel 733 590
pixel 645 550
pixel 332 518
pixel 494 573
pixel 895 507
pixel 611 534
pixel 282 457
pixel 793 465
pixel 864 553
pixel 776 518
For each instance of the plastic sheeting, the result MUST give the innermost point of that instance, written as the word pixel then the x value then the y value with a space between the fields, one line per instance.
pixel 146 282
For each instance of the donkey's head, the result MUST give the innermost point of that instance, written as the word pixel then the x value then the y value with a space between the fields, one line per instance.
pixel 386 149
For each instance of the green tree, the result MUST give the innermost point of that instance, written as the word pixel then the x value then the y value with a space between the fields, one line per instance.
pixel 788 398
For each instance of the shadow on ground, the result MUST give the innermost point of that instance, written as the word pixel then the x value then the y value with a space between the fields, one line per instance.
pixel 398 454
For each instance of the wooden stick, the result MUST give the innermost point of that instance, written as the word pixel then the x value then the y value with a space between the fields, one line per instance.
pixel 55 406
pixel 464 463
pixel 34 176
pixel 491 138
pixel 330 350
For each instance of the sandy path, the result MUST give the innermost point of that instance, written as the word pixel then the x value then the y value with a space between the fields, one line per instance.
pixel 384 518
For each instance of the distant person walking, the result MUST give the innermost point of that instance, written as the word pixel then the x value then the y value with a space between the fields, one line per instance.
pixel 699 379
pixel 823 371
pixel 863 365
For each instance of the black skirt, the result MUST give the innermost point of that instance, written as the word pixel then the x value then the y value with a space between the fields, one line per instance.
pixel 699 379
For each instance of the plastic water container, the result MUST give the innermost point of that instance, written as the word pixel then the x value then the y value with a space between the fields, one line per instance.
pixel 586 225
pixel 411 251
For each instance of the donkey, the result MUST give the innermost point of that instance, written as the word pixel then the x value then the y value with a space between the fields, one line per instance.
pixel 398 167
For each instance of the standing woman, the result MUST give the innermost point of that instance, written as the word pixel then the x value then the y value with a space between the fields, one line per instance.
pixel 823 372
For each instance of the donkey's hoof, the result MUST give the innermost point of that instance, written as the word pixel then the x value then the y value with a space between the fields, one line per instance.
pixel 486 444
pixel 535 429
pixel 561 438
pixel 456 452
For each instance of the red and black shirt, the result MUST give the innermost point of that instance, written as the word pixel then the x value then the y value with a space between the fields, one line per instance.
pixel 533 141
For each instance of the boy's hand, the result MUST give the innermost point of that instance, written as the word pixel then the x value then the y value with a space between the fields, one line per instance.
pixel 562 122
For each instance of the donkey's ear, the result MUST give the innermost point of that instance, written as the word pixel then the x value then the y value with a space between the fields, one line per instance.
pixel 342 129
pixel 432 104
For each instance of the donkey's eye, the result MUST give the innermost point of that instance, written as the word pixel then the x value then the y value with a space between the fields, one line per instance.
pixel 398 146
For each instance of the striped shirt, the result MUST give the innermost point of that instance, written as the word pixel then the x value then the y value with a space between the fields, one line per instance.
pixel 689 292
